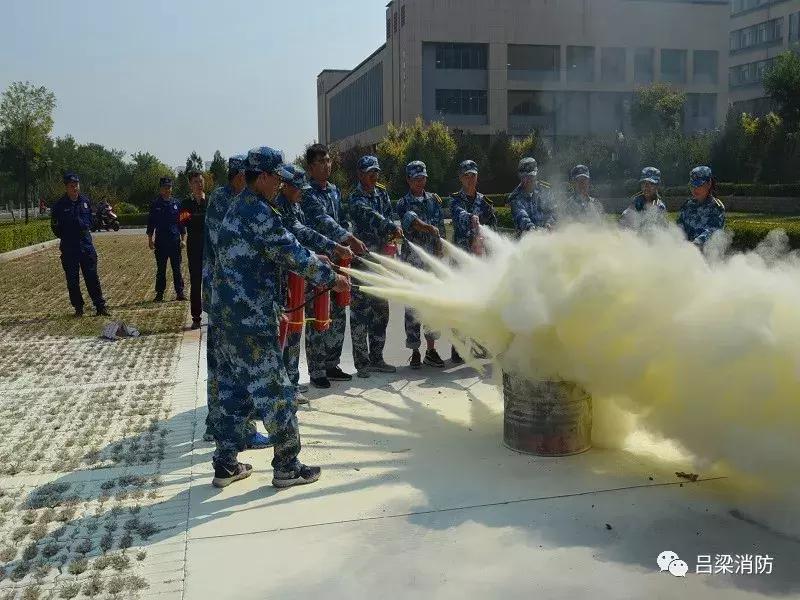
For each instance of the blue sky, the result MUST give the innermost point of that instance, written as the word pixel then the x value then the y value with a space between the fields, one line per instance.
pixel 174 76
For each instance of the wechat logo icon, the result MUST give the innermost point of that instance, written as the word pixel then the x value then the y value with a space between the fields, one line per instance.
pixel 669 561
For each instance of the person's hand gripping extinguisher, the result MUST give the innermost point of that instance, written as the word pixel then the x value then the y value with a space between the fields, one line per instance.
pixel 390 247
pixel 478 243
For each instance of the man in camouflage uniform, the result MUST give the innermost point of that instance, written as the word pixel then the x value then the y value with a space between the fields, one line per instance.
pixel 218 204
pixel 371 213
pixel 470 210
pixel 646 209
pixel 421 215
pixel 295 184
pixel 531 201
pixel 254 251
pixel 322 207
pixel 579 206
pixel 703 214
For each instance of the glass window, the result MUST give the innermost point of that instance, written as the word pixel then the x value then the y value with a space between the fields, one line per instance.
pixel 768 32
pixel 643 71
pixel 748 74
pixel 543 61
pixel 612 64
pixel 794 27
pixel 402 16
pixel 705 66
pixel 461 102
pixel 673 66
pixel 461 56
pixel 388 28
pixel 580 63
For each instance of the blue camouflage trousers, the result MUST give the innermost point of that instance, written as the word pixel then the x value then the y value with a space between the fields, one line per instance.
pixel 324 349
pixel 413 330
pixel 291 356
pixel 212 387
pixel 369 318
pixel 251 374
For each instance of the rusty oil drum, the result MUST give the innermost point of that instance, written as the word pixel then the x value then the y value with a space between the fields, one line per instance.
pixel 546 418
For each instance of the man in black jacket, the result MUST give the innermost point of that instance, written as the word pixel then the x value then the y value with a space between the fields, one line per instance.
pixel 193 216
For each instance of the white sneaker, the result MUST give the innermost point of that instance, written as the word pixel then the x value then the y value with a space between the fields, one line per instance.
pixel 300 399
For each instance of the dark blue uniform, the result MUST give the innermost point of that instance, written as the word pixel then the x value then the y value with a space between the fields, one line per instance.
pixel 164 223
pixel 71 221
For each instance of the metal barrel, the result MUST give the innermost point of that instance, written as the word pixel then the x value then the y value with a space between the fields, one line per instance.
pixel 546 418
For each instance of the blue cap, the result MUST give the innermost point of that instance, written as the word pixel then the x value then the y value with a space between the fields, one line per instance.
pixel 71 177
pixel 293 176
pixel 367 164
pixel 700 176
pixel 579 171
pixel 238 163
pixel 528 167
pixel 264 160
pixel 416 169
pixel 165 181
pixel 650 175
pixel 468 166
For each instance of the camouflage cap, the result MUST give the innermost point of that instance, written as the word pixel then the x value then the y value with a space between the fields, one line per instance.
pixel 468 166
pixel 238 163
pixel 579 171
pixel 416 169
pixel 650 175
pixel 700 176
pixel 367 164
pixel 165 182
pixel 264 159
pixel 294 176
pixel 528 167
pixel 71 177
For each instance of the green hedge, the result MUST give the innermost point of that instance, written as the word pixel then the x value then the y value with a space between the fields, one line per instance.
pixel 133 221
pixel 19 235
pixel 747 232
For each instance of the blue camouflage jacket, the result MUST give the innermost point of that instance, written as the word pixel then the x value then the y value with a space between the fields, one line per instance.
pixel 699 220
pixel 72 223
pixel 323 210
pixel 163 221
pixel 534 210
pixel 295 221
pixel 218 203
pixel 254 253
pixel 428 210
pixel 462 209
pixel 372 217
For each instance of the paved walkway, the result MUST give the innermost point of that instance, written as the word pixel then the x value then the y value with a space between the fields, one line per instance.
pixel 419 499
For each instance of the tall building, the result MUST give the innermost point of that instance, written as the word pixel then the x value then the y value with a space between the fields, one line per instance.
pixel 562 67
pixel 760 30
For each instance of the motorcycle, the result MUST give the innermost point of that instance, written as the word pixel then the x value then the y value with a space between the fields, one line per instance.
pixel 105 218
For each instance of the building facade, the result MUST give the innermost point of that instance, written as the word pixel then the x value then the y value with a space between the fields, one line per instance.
pixel 561 67
pixel 760 30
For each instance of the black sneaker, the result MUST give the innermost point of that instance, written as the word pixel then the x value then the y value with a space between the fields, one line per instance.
pixel 320 382
pixel 363 373
pixel 79 312
pixel 159 298
pixel 180 298
pixel 224 476
pixel 455 357
pixel 102 312
pixel 336 374
pixel 381 367
pixel 196 324
pixel 300 475
pixel 432 359
pixel 416 360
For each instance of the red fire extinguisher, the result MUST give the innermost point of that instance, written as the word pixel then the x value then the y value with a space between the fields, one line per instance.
pixel 322 310
pixel 343 298
pixel 389 249
pixel 478 243
pixel 297 296
pixel 283 329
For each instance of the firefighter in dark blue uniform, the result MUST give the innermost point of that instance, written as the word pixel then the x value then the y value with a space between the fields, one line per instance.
pixel 71 221
pixel 170 237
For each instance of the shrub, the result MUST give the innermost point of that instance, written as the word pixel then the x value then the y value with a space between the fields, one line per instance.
pixel 19 235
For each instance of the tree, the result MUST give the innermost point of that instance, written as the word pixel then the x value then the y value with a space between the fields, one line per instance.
pixel 782 83
pixel 26 119
pixel 146 170
pixel 193 163
pixel 656 109
pixel 218 169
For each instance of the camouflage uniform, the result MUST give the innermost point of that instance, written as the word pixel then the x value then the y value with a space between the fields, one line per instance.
pixel 254 251
pixel 369 316
pixel 294 220
pixel 218 204
pixel 699 220
pixel 534 210
pixel 322 209
pixel 580 209
pixel 462 209
pixel 428 210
